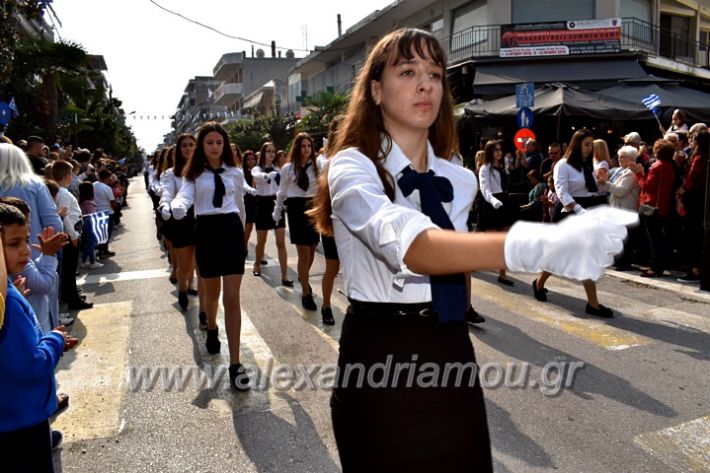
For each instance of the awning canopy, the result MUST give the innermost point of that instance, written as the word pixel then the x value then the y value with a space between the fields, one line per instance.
pixel 502 78
pixel 694 103
pixel 563 99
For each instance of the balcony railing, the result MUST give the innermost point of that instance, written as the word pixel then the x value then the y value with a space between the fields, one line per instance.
pixel 636 35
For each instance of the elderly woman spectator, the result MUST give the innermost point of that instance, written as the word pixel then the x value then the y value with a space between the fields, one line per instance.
pixel 657 192
pixel 692 195
pixel 624 189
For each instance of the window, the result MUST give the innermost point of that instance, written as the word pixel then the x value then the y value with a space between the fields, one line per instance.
pixel 640 9
pixel 539 11
pixel 468 29
pixel 638 27
pixel 675 39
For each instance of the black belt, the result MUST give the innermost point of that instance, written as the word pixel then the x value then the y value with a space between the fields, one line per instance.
pixel 390 309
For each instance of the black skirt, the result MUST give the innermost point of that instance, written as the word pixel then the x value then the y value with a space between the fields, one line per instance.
pixel 585 202
pixel 183 231
pixel 498 219
pixel 300 228
pixel 264 208
pixel 330 250
pixel 250 208
pixel 408 427
pixel 219 245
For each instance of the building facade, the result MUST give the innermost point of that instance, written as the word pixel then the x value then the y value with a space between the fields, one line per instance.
pixel 196 105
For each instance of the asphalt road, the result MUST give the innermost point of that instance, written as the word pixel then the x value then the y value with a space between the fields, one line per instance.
pixel 632 395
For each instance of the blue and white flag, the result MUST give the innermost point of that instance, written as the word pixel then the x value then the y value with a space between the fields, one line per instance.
pixel 97 224
pixel 13 108
pixel 651 102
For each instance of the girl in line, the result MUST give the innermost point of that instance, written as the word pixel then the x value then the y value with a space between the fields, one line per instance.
pixel 168 231
pixel 248 163
pixel 497 209
pixel 267 176
pixel 299 183
pixel 576 190
pixel 181 231
pixel 214 185
pixel 394 201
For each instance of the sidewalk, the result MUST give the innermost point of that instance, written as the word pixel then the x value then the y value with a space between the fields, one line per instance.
pixel 668 283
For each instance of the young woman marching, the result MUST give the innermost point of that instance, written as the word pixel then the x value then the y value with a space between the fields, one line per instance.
pixel 248 163
pixel 214 185
pixel 181 231
pixel 299 182
pixel 167 226
pixel 395 205
pixel 330 249
pixel 497 210
pixel 266 179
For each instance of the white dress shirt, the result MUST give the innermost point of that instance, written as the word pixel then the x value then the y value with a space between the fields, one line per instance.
pixel 490 182
pixel 289 188
pixel 569 183
pixel 170 184
pixel 201 191
pixel 373 233
pixel 265 182
pixel 67 199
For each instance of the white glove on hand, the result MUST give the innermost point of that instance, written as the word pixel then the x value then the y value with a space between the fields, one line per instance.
pixel 273 174
pixel 496 203
pixel 165 211
pixel 579 247
pixel 276 216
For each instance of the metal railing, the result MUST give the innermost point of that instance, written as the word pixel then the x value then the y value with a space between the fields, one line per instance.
pixel 636 35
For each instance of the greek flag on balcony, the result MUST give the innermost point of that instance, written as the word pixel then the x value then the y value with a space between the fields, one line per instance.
pixel 652 102
pixel 97 224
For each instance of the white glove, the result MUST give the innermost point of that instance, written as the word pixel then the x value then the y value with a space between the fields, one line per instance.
pixel 496 203
pixel 165 211
pixel 579 247
pixel 251 190
pixel 273 174
pixel 276 216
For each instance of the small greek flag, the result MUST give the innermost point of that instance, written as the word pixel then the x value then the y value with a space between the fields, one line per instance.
pixel 97 224
pixel 13 108
pixel 651 102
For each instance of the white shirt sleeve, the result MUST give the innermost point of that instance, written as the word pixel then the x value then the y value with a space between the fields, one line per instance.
pixel 167 182
pixel 484 176
pixel 259 175
pixel 183 200
pixel 283 189
pixel 239 183
pixel 360 203
pixel 561 176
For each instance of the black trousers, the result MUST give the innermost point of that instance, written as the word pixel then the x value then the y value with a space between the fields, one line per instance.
pixel 70 260
pixel 28 449
pixel 383 424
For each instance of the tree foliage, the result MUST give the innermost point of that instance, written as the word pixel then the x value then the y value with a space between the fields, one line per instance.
pixel 251 133
pixel 323 107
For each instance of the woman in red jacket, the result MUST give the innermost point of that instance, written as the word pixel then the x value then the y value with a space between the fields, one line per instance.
pixel 692 194
pixel 657 191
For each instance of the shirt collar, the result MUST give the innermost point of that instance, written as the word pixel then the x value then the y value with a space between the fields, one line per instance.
pixel 396 159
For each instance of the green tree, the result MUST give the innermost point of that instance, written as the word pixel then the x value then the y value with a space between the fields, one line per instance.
pixel 323 106
pixel 251 133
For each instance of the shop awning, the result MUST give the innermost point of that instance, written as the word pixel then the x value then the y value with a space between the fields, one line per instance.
pixel 502 78
pixel 694 103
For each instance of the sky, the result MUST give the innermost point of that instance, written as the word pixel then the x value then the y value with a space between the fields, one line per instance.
pixel 152 54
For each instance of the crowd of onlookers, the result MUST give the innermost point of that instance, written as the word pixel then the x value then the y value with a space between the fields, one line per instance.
pixel 49 196
pixel 664 180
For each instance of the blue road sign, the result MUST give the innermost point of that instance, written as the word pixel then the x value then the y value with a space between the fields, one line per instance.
pixel 525 118
pixel 525 95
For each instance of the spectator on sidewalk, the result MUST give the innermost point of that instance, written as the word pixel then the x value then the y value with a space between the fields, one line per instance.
pixel 105 202
pixel 88 239
pixel 35 151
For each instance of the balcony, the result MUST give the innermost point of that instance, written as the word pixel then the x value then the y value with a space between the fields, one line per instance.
pixel 228 65
pixel 228 93
pixel 636 35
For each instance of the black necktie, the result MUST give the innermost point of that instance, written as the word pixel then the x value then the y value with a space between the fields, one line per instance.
pixel 448 292
pixel 589 180
pixel 303 178
pixel 219 190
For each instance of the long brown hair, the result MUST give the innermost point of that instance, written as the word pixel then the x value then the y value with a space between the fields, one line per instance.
pixel 574 150
pixel 294 154
pixel 490 151
pixel 262 155
pixel 197 163
pixel 363 125
pixel 180 160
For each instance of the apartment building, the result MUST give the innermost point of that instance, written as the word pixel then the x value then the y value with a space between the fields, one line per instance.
pixel 667 38
pixel 196 105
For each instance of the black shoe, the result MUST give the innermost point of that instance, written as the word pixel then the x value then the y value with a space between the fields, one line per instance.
pixel 106 254
pixel 287 282
pixel 308 303
pixel 213 344
pixel 505 281
pixel 203 320
pixel 473 317
pixel 182 299
pixel 79 305
pixel 327 315
pixel 600 311
pixel 57 438
pixel 173 280
pixel 540 294
pixel 264 261
pixel 192 292
pixel 238 377
pixel 256 273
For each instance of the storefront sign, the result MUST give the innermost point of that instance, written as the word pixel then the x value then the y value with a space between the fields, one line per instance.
pixel 561 38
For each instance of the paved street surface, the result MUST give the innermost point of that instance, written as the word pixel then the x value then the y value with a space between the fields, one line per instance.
pixel 634 394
